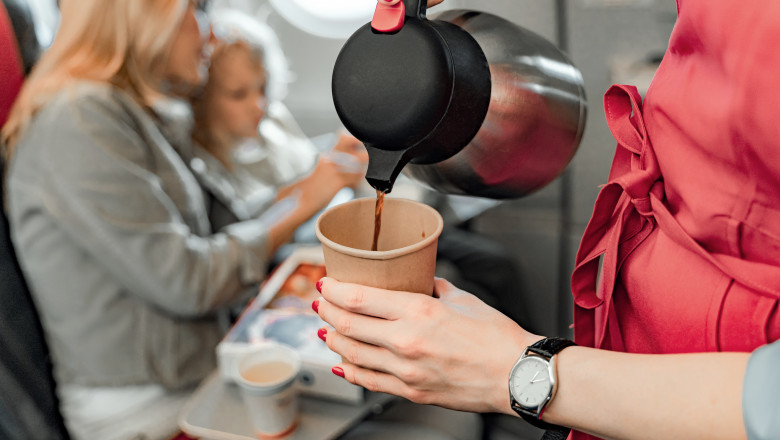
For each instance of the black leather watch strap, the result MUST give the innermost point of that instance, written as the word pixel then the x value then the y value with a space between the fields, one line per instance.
pixel 547 347
pixel 555 435
pixel 532 418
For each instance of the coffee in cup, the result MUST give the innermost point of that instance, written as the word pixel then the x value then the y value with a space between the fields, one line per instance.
pixel 405 255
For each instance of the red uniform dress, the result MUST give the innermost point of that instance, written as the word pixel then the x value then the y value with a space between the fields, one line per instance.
pixel 688 228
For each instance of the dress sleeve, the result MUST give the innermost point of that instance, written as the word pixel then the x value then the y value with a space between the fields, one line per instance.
pixel 761 394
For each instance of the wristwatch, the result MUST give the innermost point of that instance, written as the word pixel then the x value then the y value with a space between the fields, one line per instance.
pixel 532 382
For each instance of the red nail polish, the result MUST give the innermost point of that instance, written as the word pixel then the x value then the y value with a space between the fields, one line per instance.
pixel 338 371
pixel 315 305
pixel 321 333
pixel 319 286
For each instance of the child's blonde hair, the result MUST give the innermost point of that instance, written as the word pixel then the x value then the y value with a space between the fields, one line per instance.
pixel 202 131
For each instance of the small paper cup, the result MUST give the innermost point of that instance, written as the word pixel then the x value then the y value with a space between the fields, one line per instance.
pixel 266 377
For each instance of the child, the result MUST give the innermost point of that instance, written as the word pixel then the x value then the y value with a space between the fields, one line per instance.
pixel 248 151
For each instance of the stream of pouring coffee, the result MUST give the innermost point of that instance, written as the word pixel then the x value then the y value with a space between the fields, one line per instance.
pixel 380 203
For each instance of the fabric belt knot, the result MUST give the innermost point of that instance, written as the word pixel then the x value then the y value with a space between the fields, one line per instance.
pixel 644 204
pixel 623 217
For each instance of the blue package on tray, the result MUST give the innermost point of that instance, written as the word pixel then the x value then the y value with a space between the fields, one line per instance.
pixel 282 312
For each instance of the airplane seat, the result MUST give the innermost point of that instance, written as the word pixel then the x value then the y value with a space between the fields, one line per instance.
pixel 29 407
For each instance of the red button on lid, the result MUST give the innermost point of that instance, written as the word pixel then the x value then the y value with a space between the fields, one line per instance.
pixel 389 16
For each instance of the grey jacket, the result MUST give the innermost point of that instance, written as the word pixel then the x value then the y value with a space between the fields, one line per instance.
pixel 111 231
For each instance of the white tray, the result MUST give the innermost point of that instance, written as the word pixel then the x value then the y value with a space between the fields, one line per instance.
pixel 216 412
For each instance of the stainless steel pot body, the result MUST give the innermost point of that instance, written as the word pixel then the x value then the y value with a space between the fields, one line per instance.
pixel 534 122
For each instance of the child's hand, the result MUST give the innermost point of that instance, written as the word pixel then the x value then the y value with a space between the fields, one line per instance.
pixel 350 158
pixel 350 144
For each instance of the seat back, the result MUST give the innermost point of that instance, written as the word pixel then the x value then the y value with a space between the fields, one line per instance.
pixel 25 29
pixel 29 408
pixel 11 68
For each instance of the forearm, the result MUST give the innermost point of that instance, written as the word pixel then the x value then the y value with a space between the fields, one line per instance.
pixel 316 189
pixel 310 196
pixel 630 396
pixel 286 191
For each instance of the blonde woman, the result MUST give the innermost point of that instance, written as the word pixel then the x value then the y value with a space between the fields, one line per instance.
pixel 109 224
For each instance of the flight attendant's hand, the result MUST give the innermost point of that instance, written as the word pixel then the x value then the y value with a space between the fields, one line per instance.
pixel 451 350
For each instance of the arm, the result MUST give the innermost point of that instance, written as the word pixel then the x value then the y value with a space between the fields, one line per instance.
pixel 633 396
pixel 329 175
pixel 316 190
pixel 457 352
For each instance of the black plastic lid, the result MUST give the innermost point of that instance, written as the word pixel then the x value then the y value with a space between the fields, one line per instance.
pixel 417 94
pixel 392 90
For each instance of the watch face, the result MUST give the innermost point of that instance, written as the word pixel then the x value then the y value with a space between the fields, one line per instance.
pixel 530 382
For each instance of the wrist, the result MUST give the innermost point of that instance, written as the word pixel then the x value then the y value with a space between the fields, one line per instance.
pixel 325 179
pixel 522 340
pixel 557 405
pixel 533 382
pixel 317 189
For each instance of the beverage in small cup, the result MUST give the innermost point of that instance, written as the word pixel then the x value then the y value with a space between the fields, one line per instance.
pixel 405 234
pixel 266 376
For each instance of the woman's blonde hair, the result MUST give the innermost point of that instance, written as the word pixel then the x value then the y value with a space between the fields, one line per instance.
pixel 121 42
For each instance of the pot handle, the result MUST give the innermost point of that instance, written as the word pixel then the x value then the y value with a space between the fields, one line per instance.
pixel 416 8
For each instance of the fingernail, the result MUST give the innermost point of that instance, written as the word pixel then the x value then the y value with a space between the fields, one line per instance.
pixel 321 333
pixel 338 371
pixel 319 286
pixel 315 305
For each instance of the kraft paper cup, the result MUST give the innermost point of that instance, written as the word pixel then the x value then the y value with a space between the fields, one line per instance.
pixel 406 256
pixel 272 405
